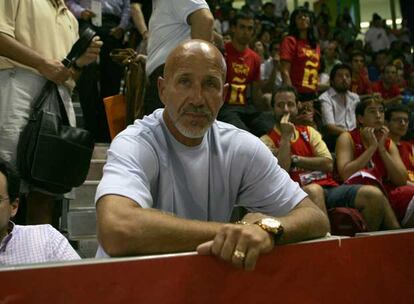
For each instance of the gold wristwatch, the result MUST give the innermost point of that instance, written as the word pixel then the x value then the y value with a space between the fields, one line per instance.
pixel 271 225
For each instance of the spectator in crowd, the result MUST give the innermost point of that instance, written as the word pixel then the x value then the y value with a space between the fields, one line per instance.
pixel 244 101
pixel 301 151
pixel 360 83
pixel 270 70
pixel 367 156
pixel 408 99
pixel 330 56
pixel 380 59
pixel 189 208
pixel 102 79
pixel 268 18
pixel 140 14
pixel 376 38
pixel 171 23
pixel 27 60
pixel 338 105
pixel 388 86
pixel 397 119
pixel 300 56
pixel 26 244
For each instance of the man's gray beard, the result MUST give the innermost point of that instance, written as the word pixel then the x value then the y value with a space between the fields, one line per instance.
pixel 194 132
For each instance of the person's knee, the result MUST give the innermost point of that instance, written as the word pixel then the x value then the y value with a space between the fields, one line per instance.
pixel 316 194
pixel 370 197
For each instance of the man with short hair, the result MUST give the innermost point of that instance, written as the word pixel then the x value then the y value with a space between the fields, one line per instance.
pixel 397 120
pixel 388 85
pixel 171 179
pixel 338 105
pixel 367 156
pixel 360 83
pixel 244 101
pixel 302 152
pixel 26 244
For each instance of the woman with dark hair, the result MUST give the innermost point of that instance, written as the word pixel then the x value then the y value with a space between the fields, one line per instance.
pixel 300 58
pixel 300 55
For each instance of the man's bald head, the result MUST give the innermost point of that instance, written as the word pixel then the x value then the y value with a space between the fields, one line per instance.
pixel 196 47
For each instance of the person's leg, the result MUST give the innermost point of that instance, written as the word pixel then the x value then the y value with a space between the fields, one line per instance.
pixel 40 208
pixel 402 204
pixel 370 201
pixel 317 195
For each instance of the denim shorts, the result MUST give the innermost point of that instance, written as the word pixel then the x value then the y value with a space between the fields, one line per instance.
pixel 341 196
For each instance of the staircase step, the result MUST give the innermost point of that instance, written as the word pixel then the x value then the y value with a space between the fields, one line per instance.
pixel 95 169
pixel 87 247
pixel 84 195
pixel 99 152
pixel 82 223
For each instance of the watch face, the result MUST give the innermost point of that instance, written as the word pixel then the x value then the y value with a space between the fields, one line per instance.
pixel 271 223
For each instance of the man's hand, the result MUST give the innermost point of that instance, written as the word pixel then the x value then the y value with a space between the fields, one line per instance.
pixel 368 136
pixel 382 137
pixel 240 245
pixel 91 53
pixel 54 70
pixel 87 15
pixel 286 127
pixel 117 32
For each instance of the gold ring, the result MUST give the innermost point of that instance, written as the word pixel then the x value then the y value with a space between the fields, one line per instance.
pixel 239 254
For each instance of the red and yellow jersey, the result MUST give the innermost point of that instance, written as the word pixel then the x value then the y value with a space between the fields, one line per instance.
pixel 375 166
pixel 304 63
pixel 406 150
pixel 243 68
pixel 307 142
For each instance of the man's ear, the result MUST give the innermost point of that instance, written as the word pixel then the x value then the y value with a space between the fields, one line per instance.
pixel 14 206
pixel 161 82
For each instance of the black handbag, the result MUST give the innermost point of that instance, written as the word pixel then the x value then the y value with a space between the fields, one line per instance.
pixel 52 155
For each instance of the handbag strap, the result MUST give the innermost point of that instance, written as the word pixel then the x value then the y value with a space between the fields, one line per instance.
pixel 79 47
pixel 76 51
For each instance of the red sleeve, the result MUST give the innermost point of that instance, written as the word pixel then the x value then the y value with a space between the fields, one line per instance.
pixel 396 90
pixel 288 48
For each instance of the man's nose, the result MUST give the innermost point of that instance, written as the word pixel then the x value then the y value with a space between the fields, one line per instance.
pixel 197 92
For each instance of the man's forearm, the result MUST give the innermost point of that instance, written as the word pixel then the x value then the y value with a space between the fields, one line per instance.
pixel 357 164
pixel 133 230
pixel 304 222
pixel 334 130
pixel 283 154
pixel 11 48
pixel 315 163
pixel 396 173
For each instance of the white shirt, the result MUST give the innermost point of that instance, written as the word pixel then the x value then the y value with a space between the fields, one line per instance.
pixel 336 112
pixel 230 166
pixel 168 27
pixel 377 38
pixel 35 244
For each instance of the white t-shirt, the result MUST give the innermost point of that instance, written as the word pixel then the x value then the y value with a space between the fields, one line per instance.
pixel 168 27
pixel 230 166
pixel 378 38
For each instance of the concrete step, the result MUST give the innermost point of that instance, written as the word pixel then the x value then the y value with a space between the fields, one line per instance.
pixel 85 195
pixel 81 223
pixel 95 169
pixel 99 152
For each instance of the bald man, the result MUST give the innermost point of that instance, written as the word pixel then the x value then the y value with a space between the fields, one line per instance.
pixel 172 178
